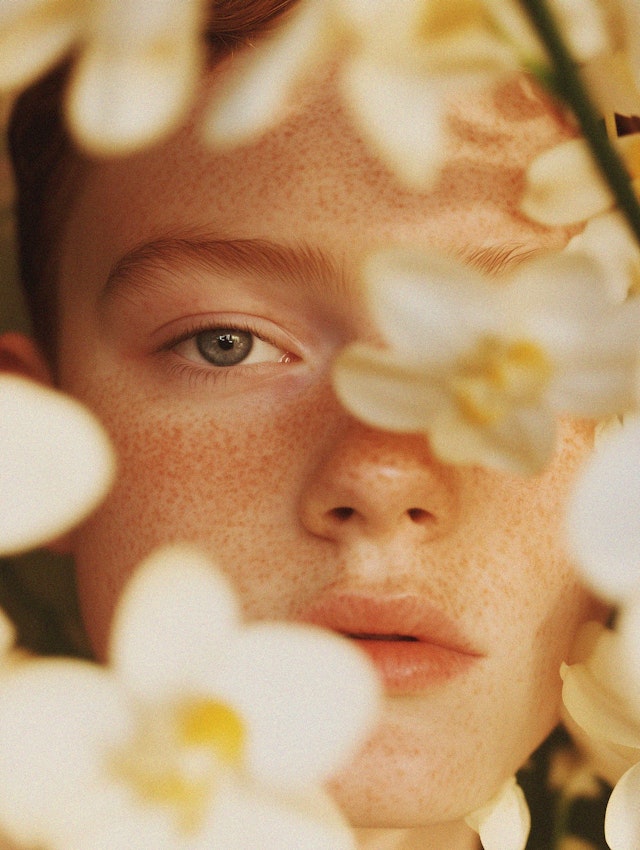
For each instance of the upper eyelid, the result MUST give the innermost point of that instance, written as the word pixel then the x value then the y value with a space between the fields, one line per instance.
pixel 245 323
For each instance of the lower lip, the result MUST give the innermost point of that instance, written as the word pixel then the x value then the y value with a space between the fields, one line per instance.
pixel 408 667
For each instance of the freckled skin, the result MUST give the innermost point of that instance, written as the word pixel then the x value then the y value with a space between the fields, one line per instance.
pixel 248 470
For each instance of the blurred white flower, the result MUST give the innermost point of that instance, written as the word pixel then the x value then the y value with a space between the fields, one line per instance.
pixel 56 464
pixel 607 239
pixel 136 68
pixel 201 733
pixel 396 61
pixel 603 516
pixel 486 368
pixel 598 695
pixel 564 186
pixel 504 822
pixel 595 702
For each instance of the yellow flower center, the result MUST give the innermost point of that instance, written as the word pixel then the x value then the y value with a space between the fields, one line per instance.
pixel 443 19
pixel 498 377
pixel 177 758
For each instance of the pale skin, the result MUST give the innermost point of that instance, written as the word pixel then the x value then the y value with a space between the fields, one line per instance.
pixel 250 462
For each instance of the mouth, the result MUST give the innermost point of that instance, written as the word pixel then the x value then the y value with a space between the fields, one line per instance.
pixel 414 646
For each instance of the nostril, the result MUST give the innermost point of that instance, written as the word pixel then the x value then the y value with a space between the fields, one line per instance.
pixel 342 513
pixel 420 516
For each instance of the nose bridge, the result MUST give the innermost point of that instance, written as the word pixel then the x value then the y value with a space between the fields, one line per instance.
pixel 377 483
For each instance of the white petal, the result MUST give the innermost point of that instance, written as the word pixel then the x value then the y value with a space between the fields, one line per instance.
pixel 247 817
pixel 622 820
pixel 258 92
pixel 173 623
pixel 596 709
pixel 33 36
pixel 56 464
pixel 399 114
pixel 120 101
pixel 603 518
pixel 308 696
pixel 429 307
pixel 563 186
pixel 608 240
pixel 504 822
pixel 57 719
pixel 382 390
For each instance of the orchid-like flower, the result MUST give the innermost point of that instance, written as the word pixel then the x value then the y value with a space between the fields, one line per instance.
pixel 396 60
pixel 56 464
pixel 564 185
pixel 137 66
pixel 202 732
pixel 601 713
pixel 486 368
pixel 602 691
pixel 504 822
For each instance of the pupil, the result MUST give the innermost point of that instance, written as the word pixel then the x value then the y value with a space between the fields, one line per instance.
pixel 224 346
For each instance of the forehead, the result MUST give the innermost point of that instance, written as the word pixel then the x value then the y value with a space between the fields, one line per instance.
pixel 313 179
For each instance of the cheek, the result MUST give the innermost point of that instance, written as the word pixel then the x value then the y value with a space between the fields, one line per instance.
pixel 226 481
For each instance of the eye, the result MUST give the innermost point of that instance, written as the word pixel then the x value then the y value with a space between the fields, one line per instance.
pixel 228 346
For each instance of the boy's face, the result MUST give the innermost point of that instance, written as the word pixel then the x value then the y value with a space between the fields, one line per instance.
pixel 251 461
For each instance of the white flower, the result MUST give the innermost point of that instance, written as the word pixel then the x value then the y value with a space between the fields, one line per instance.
pixel 608 240
pixel 137 66
pixel 595 703
pixel 202 732
pixel 504 822
pixel 485 369
pixel 598 695
pixel 396 60
pixel 56 464
pixel 603 516
pixel 564 186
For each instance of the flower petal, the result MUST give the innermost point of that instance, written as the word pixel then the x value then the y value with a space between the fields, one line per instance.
pixel 257 93
pixel 309 698
pixel 245 817
pixel 603 525
pixel 33 36
pixel 504 822
pixel 56 721
pixel 563 186
pixel 399 113
pixel 174 622
pixel 56 464
pixel 622 819
pixel 121 101
pixel 383 391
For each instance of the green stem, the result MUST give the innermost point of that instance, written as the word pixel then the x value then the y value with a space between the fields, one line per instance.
pixel 569 85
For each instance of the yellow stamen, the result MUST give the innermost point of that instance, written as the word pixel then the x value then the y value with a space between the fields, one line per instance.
pixel 212 724
pixel 498 377
pixel 177 757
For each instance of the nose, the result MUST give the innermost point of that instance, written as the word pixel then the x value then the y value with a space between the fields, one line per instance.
pixel 376 484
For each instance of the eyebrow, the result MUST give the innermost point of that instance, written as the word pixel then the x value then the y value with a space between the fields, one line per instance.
pixel 300 263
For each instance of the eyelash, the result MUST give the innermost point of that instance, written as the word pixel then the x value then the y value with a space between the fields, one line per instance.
pixel 209 371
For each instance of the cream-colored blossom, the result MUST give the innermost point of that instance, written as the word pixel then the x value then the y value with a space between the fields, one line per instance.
pixel 504 822
pixel 608 240
pixel 603 516
pixel 395 62
pixel 595 700
pixel 485 369
pixel 601 705
pixel 202 732
pixel 564 186
pixel 56 464
pixel 136 68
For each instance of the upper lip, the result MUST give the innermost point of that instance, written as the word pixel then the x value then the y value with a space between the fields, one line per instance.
pixel 372 616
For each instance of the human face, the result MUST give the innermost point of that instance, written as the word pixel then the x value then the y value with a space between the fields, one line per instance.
pixel 312 514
